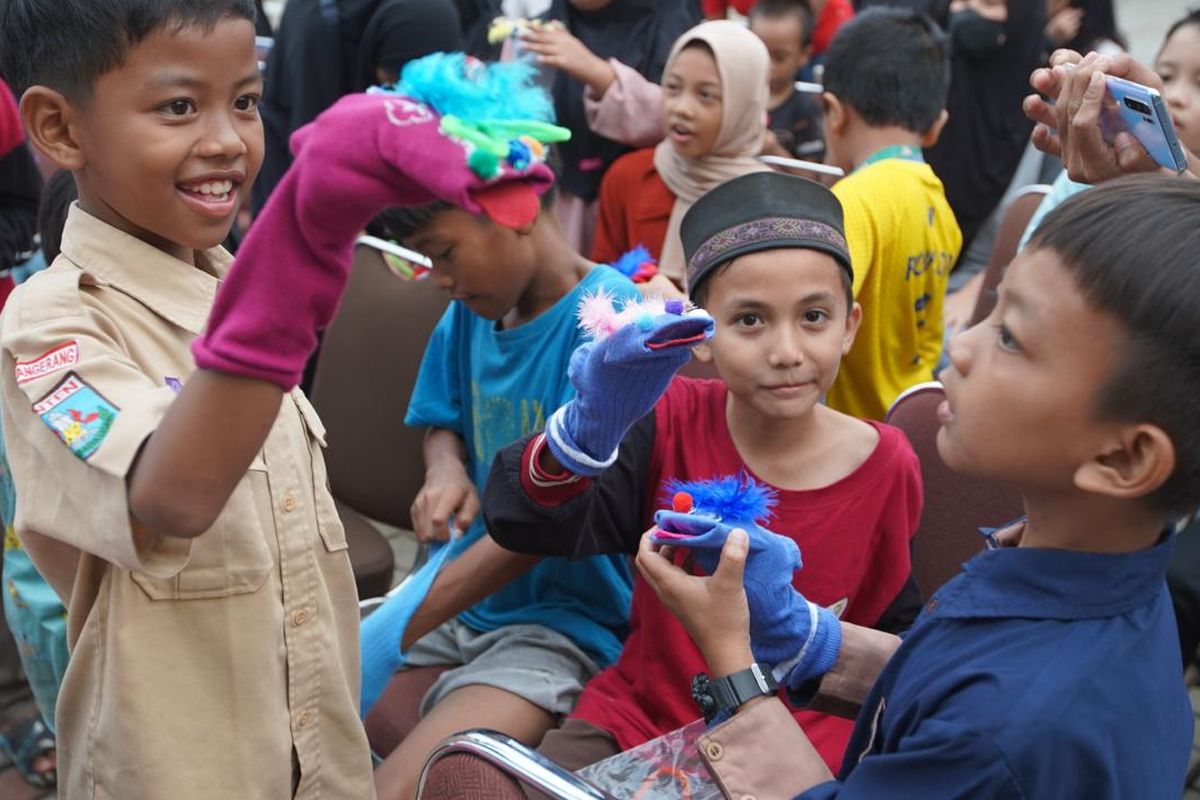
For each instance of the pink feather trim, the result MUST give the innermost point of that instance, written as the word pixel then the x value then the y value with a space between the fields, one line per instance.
pixel 600 318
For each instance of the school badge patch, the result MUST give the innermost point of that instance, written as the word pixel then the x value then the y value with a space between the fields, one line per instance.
pixel 78 414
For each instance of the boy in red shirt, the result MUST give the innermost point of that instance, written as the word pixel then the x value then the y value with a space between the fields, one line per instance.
pixel 767 259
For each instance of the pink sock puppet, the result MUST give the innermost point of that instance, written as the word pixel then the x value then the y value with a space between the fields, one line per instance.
pixel 477 149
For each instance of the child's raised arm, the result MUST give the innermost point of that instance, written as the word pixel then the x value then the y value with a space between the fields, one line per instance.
pixel 191 464
pixel 365 154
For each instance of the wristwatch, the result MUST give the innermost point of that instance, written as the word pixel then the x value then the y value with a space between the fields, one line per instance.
pixel 727 694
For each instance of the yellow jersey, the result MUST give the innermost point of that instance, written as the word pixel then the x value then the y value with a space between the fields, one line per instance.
pixel 903 240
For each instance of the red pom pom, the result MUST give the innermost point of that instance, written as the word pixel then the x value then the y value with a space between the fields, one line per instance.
pixel 681 503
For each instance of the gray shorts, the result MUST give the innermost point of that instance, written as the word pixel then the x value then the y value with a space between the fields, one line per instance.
pixel 531 661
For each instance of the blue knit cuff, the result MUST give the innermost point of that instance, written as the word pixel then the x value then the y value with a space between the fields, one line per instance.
pixel 570 454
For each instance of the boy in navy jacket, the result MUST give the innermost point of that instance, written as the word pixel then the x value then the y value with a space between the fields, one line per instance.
pixel 1050 667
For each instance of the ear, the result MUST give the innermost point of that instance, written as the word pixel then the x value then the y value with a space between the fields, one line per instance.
pixel 1136 461
pixel 48 116
pixel 853 320
pixel 929 138
pixel 836 117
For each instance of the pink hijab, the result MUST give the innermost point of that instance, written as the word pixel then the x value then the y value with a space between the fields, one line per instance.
pixel 743 64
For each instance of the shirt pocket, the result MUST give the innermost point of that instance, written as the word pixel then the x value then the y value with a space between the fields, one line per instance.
pixel 333 533
pixel 231 558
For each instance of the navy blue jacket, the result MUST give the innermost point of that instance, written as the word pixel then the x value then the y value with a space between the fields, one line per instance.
pixel 1034 674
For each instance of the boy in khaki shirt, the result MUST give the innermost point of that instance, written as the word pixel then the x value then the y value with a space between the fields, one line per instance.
pixel 180 508
pixel 213 640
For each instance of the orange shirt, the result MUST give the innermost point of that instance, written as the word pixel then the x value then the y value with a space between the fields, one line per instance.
pixel 635 206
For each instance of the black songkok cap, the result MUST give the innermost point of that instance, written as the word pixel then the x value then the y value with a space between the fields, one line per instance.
pixel 761 211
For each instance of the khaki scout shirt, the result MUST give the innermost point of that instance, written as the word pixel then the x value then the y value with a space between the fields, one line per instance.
pixel 220 667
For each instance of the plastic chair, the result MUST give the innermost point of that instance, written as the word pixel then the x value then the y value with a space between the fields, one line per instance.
pixel 368 365
pixel 955 505
pixel 487 765
pixel 1012 226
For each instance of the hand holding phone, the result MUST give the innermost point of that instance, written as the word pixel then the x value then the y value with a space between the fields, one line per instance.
pixel 1142 112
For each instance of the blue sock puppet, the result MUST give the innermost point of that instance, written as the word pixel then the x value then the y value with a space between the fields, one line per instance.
pixel 620 374
pixel 798 639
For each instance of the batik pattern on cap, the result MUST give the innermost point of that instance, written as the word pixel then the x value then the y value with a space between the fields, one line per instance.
pixel 759 231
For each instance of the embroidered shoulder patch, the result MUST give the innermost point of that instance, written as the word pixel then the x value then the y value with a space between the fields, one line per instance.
pixel 78 414
pixel 61 357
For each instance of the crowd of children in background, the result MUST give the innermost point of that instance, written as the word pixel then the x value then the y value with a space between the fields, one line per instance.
pixel 806 185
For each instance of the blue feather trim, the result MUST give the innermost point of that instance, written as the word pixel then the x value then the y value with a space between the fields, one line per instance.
pixel 629 263
pixel 462 86
pixel 732 499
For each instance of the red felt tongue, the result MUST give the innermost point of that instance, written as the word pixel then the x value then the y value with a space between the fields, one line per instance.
pixel 512 204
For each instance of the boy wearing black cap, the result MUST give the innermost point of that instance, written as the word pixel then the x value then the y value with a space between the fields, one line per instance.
pixel 775 275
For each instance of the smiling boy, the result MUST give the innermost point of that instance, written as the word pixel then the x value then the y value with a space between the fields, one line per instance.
pixel 211 607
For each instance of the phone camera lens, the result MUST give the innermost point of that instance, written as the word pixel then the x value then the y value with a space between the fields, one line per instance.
pixel 1137 105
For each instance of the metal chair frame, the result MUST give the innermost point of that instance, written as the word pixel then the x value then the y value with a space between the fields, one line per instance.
pixel 511 757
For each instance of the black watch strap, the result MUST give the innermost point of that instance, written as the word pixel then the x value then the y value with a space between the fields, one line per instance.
pixel 715 695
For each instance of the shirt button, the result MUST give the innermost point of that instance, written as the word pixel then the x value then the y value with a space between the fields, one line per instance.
pixel 714 751
pixel 299 618
pixel 305 718
pixel 289 503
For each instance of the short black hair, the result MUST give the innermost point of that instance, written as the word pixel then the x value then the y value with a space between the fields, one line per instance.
pixel 774 9
pixel 68 44
pixel 57 195
pixel 1192 17
pixel 1131 245
pixel 892 66
pixel 401 222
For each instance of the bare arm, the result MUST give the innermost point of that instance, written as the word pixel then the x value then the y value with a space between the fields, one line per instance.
pixel 448 495
pixel 483 569
pixel 191 464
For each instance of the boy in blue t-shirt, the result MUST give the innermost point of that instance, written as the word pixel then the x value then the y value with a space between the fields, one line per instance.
pixel 493 369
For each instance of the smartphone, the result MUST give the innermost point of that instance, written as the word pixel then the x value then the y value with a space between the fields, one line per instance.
pixel 1144 114
pixel 795 163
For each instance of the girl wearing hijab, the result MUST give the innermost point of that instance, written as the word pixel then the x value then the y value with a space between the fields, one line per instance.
pixel 599 37
pixel 714 109
pixel 328 48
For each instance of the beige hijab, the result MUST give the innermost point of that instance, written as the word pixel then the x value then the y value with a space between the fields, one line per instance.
pixel 743 64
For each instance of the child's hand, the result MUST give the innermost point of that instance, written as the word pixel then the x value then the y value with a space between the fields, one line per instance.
pixel 771 145
pixel 1069 122
pixel 558 49
pixel 661 286
pixel 713 609
pixel 447 503
pixel 617 380
pixel 1064 25
pixel 799 639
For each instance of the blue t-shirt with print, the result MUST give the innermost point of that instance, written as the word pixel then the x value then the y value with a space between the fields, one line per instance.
pixel 491 387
